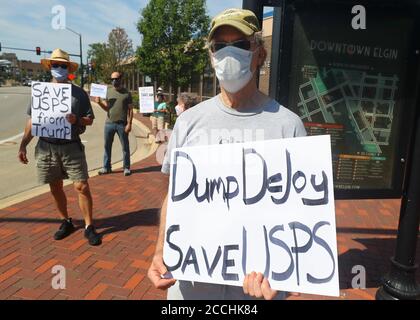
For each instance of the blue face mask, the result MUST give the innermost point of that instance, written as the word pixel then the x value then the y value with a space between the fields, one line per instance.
pixel 59 74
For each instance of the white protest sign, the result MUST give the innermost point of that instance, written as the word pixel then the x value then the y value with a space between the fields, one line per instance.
pixel 98 90
pixel 146 100
pixel 50 103
pixel 265 206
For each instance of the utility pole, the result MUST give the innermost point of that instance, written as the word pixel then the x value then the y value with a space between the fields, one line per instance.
pixel 81 57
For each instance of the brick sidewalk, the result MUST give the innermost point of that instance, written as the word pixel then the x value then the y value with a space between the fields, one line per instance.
pixel 126 210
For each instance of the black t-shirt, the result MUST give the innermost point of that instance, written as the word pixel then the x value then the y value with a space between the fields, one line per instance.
pixel 80 106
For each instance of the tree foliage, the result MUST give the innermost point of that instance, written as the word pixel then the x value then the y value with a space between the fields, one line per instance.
pixel 109 56
pixel 173 42
pixel 120 46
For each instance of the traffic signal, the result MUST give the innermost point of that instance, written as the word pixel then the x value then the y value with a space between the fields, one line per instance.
pixel 38 51
pixel 0 46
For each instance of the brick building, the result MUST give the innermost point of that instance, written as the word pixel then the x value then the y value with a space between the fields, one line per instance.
pixel 31 70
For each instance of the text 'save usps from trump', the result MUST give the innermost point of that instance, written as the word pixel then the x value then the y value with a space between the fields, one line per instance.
pixel 50 104
pixel 264 206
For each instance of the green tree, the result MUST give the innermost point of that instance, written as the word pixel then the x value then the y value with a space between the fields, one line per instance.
pixel 99 53
pixel 173 42
pixel 120 46
pixel 110 56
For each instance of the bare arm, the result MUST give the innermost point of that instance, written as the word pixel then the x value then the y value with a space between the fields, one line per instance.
pixel 27 137
pixel 83 121
pixel 129 118
pixel 102 103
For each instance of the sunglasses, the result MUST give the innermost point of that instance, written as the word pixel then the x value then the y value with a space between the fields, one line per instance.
pixel 241 44
pixel 56 65
pixel 114 79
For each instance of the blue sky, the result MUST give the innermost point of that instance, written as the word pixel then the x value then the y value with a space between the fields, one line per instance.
pixel 27 24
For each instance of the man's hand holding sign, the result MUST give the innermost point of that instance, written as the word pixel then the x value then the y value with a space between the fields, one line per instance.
pixel 262 217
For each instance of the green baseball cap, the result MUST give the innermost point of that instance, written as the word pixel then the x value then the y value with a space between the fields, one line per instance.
pixel 241 19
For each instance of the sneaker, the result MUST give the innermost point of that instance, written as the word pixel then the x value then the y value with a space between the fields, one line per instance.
pixel 104 171
pixel 127 172
pixel 65 229
pixel 93 237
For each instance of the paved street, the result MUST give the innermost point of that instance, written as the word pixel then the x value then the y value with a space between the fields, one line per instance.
pixel 127 214
pixel 13 104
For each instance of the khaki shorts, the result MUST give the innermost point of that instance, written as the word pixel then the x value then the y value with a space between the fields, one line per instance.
pixel 58 162
pixel 157 122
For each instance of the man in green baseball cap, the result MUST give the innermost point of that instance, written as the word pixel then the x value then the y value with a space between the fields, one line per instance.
pixel 236 49
pixel 240 113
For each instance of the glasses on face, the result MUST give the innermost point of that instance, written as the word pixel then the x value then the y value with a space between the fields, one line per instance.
pixel 57 65
pixel 241 44
pixel 115 79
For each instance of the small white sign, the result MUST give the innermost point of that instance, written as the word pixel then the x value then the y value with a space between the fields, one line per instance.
pixel 50 103
pixel 265 206
pixel 98 90
pixel 146 100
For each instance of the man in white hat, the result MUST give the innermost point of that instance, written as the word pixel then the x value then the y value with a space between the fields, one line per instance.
pixel 59 159
pixel 237 52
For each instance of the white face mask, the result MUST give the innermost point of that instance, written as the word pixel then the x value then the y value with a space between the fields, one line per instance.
pixel 233 67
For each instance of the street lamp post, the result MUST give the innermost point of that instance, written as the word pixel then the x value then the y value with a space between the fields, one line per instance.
pixel 400 282
pixel 81 58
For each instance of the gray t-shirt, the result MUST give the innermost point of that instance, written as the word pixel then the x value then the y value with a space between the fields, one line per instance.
pixel 211 122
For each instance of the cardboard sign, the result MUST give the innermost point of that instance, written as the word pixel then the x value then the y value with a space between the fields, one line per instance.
pixel 50 103
pixel 265 206
pixel 146 100
pixel 98 90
